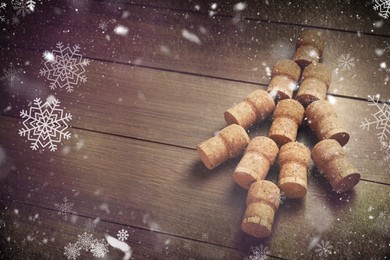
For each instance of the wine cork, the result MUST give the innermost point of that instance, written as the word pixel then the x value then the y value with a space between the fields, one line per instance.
pixel 229 143
pixel 256 107
pixel 262 201
pixel 294 161
pixel 309 48
pixel 323 120
pixel 284 79
pixel 258 158
pixel 287 117
pixel 314 84
pixel 330 158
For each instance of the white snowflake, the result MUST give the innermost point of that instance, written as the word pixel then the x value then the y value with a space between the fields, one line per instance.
pixel 45 124
pixel 103 25
pixel 11 74
pixel 64 67
pixel 23 7
pixel 346 62
pixel 86 241
pixel 122 235
pixel 99 248
pixel 205 236
pixel 381 122
pixel 3 5
pixel 72 251
pixel 65 209
pixel 383 6
pixel 323 248
pixel 258 253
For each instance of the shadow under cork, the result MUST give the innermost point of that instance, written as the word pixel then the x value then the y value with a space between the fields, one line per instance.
pixel 335 200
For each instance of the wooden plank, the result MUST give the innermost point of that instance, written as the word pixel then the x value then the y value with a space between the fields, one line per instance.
pixel 173 108
pixel 32 232
pixel 168 190
pixel 337 15
pixel 240 53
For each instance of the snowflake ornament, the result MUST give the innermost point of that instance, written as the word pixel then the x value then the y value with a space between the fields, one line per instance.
pixel 64 67
pixel 99 249
pixel 45 124
pixel 323 248
pixel 11 74
pixel 122 235
pixel 258 253
pixel 23 7
pixel 72 251
pixel 346 62
pixel 383 6
pixel 86 241
pixel 382 123
pixel 65 209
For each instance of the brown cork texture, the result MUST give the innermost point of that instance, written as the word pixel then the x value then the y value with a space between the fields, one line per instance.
pixel 229 143
pixel 262 201
pixel 294 161
pixel 287 117
pixel 309 48
pixel 330 158
pixel 285 75
pixel 315 83
pixel 257 106
pixel 258 158
pixel 324 121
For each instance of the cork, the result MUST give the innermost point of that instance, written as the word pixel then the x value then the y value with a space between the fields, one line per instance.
pixel 262 201
pixel 258 158
pixel 287 117
pixel 309 48
pixel 294 161
pixel 285 75
pixel 314 84
pixel 324 121
pixel 256 107
pixel 330 158
pixel 229 143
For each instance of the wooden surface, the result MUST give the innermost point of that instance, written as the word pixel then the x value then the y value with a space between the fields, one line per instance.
pixel 150 98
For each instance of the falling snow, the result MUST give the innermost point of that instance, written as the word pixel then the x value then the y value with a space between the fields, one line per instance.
pixel 346 62
pixel 45 124
pixel 64 67
pixel 99 248
pixel 381 121
pixel 23 7
pixel 190 37
pixel 103 25
pixel 258 253
pixel 65 209
pixel 11 74
pixel 85 241
pixel 122 235
pixel 323 248
pixel 72 251
pixel 383 6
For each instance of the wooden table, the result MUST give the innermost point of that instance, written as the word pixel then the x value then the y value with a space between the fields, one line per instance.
pixel 160 76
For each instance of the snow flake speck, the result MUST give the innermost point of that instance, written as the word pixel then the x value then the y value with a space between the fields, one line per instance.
pixel 11 74
pixel 122 235
pixel 65 209
pixel 64 67
pixel 72 251
pixel 383 6
pixel 346 62
pixel 23 7
pixel 85 241
pixel 258 253
pixel 45 124
pixel 323 248
pixel 99 249
pixel 190 37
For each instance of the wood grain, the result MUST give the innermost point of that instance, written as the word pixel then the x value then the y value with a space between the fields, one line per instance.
pixel 39 233
pixel 173 108
pixel 136 183
pixel 239 52
pixel 340 15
